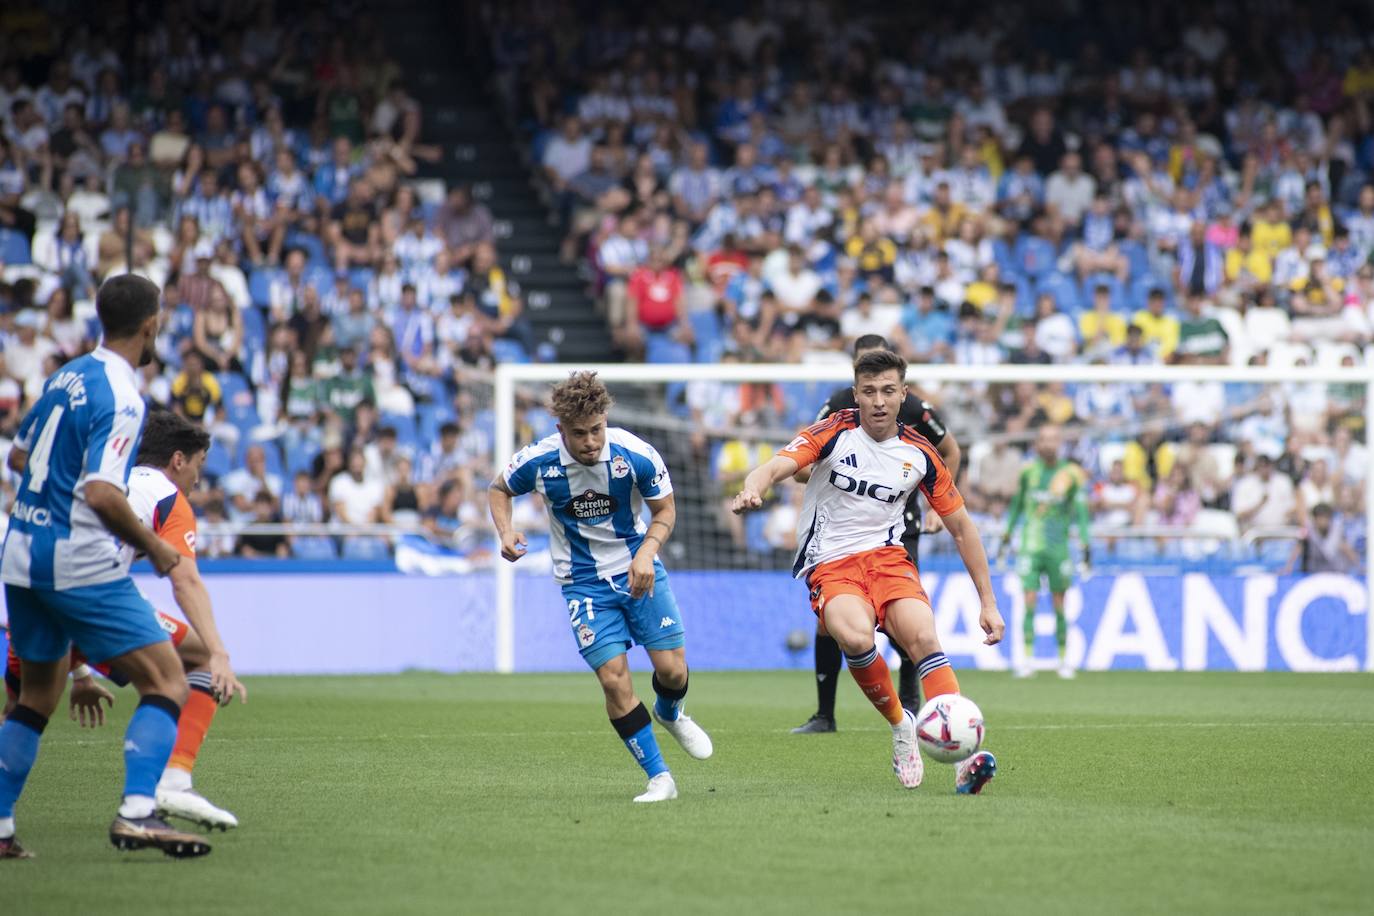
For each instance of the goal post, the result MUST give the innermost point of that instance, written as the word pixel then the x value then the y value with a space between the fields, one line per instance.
pixel 646 414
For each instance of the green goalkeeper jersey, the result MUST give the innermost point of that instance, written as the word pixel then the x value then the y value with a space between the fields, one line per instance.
pixel 1048 499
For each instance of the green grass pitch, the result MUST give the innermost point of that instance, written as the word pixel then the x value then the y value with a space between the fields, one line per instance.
pixel 1117 793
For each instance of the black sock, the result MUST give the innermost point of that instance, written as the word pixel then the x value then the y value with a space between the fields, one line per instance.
pixel 908 682
pixel 828 661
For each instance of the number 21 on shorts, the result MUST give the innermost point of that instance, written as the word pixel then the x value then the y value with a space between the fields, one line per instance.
pixel 585 634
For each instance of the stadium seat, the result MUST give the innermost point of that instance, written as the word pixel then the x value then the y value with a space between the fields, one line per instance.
pixel 365 548
pixel 254 328
pixel 320 276
pixel 14 248
pixel 1331 353
pixel 708 332
pixel 508 351
pixel 1064 290
pixel 405 428
pixel 662 348
pixel 1286 354
pixel 313 548
pixel 312 246
pixel 239 406
pixel 361 277
pixel 260 284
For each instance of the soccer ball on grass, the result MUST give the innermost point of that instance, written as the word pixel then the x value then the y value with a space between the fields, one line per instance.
pixel 949 728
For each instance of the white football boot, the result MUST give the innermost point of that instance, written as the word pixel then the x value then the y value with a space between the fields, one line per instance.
pixel 661 788
pixel 690 735
pixel 1022 670
pixel 188 804
pixel 906 756
pixel 1066 671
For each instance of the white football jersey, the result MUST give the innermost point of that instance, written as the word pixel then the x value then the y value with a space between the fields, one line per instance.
pixel 858 490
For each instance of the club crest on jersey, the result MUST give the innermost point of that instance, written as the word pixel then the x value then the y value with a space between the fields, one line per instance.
pixel 906 470
pixel 592 505
pixel 619 467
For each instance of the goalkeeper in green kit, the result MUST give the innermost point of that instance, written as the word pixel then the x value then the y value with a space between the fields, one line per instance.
pixel 1048 500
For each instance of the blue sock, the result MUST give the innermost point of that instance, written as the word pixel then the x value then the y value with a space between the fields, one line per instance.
pixel 148 743
pixel 668 702
pixel 18 750
pixel 637 731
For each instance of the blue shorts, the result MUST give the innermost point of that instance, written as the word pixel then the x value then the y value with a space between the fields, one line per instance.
pixel 106 621
pixel 606 621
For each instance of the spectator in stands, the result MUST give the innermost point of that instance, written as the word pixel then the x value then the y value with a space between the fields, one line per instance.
pixel 264 512
pixel 463 224
pixel 218 332
pixel 1263 498
pixel 1159 330
pixel 28 351
pixel 353 230
pixel 195 392
pixel 498 299
pixel 1323 547
pixel 355 499
pixel 1202 340
pixel 656 310
pixel 1117 502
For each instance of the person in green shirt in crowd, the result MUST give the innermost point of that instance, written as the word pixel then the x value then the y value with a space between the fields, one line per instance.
pixel 1049 498
pixel 1201 338
pixel 351 387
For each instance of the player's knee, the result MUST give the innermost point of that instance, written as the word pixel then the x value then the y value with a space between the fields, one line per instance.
pixel 671 668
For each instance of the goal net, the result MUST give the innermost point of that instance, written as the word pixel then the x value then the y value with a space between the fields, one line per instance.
pixel 1227 510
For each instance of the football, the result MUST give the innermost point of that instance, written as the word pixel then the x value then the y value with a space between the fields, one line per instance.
pixel 950 728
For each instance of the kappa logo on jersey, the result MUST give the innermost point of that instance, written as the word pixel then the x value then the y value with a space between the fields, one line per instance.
pixel 881 492
pixel 619 467
pixel 552 471
pixel 850 460
pixel 591 505
pixel 128 411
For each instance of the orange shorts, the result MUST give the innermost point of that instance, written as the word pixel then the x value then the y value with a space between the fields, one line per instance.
pixel 878 576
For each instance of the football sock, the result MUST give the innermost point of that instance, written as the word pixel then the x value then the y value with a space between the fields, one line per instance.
pixel 195 720
pixel 668 701
pixel 18 750
pixel 147 744
pixel 829 658
pixel 908 684
pixel 1061 632
pixel 637 731
pixel 875 680
pixel 1028 630
pixel 937 677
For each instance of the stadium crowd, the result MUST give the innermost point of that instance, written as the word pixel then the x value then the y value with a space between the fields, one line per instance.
pixel 323 308
pixel 1184 184
pixel 1116 186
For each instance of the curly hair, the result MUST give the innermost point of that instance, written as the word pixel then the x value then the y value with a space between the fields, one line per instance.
pixel 582 395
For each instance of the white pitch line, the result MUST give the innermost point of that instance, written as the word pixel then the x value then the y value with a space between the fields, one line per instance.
pixel 303 739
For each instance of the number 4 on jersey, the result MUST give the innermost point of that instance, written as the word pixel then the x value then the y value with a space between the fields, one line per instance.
pixel 38 459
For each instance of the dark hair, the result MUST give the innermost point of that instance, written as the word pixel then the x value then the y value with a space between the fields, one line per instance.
pixel 871 342
pixel 581 396
pixel 876 362
pixel 124 303
pixel 165 434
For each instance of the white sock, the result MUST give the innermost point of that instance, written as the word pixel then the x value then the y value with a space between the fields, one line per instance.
pixel 137 806
pixel 6 828
pixel 175 779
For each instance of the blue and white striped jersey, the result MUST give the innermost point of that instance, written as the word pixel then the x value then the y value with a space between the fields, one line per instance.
pixel 594 528
pixel 86 426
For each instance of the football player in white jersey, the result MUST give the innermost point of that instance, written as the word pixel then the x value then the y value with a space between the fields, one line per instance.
pixel 864 464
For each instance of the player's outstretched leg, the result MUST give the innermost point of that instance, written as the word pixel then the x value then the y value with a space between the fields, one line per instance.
pixel 175 795
pixel 829 659
pixel 156 673
pixel 631 722
pixel 670 689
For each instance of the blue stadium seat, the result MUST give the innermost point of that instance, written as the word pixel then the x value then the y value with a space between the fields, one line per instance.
pixel 361 277
pixel 260 284
pixel 710 343
pixel 675 395
pixel 1064 290
pixel 14 248
pixel 218 461
pixel 300 457
pixel 312 246
pixel 1137 256
pixel 484 421
pixel 239 406
pixel 313 548
pixel 254 328
pixel 429 417
pixel 661 348
pixel 754 541
pixel 320 276
pixel 1120 298
pixel 271 452
pixel 365 548
pixel 405 428
pixel 509 351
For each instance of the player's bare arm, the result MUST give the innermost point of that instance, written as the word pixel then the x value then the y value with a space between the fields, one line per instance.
pixel 760 480
pixel 18 460
pixel 191 595
pixel 110 503
pixel 970 546
pixel 501 503
pixel 661 525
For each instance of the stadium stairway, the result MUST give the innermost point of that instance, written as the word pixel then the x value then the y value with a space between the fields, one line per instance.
pixel 481 149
